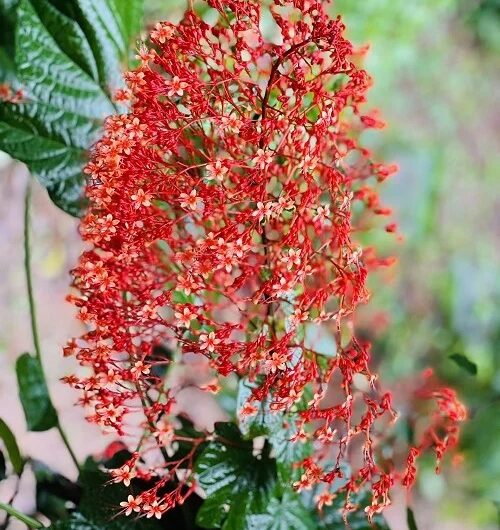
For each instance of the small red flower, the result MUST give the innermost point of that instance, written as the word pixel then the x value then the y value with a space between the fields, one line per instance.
pixel 132 504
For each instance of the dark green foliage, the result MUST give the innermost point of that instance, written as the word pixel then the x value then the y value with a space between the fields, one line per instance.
pixel 283 514
pixel 237 483
pixel 99 504
pixel 410 519
pixel 464 363
pixel 11 447
pixel 279 429
pixel 34 395
pixel 3 466
pixel 54 492
pixel 245 490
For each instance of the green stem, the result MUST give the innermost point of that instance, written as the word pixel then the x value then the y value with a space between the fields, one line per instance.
pixel 65 440
pixel 27 269
pixel 26 519
pixel 31 301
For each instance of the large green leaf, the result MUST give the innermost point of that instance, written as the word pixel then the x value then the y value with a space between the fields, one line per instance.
pixel 53 150
pixel 69 56
pixel 7 23
pixel 52 108
pixel 110 47
pixel 264 421
pixel 284 514
pixel 10 443
pixel 236 483
pixel 130 16
pixel 279 428
pixel 332 516
pixel 33 392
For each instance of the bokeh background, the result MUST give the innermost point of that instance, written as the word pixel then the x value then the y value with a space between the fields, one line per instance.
pixel 436 66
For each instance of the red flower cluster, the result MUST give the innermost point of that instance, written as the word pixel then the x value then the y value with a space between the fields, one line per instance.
pixel 221 219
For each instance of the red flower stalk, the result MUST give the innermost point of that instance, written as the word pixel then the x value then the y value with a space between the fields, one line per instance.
pixel 221 224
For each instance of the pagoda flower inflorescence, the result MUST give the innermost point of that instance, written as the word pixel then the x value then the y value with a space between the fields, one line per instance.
pixel 222 214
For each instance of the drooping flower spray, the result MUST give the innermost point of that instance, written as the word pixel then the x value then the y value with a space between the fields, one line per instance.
pixel 223 212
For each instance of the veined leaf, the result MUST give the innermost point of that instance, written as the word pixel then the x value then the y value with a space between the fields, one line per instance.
pixel 264 421
pixel 289 512
pixel 38 409
pixel 237 483
pixel 110 47
pixel 50 149
pixel 279 428
pixel 130 15
pixel 69 56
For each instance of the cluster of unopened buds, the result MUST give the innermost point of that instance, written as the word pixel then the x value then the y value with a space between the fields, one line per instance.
pixel 223 210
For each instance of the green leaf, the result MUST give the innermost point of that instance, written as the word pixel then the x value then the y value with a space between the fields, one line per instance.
pixel 7 26
pixel 463 362
pixel 3 467
pixel 237 484
pixel 99 502
pixel 331 516
pixel 69 56
pixel 410 519
pixel 49 75
pixel 33 392
pixel 261 423
pixel 109 45
pixel 63 105
pixel 7 23
pixel 284 514
pixel 287 452
pixel 10 443
pixel 279 428
pixel 212 513
pixel 50 148
pixel 130 15
pixel 180 297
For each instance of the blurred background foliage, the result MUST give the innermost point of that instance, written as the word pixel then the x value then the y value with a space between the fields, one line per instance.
pixel 437 70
